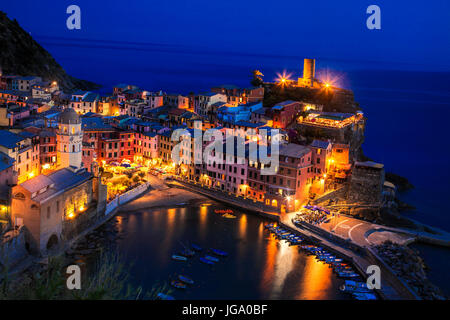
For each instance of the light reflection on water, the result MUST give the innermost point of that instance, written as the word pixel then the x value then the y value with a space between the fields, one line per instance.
pixel 258 265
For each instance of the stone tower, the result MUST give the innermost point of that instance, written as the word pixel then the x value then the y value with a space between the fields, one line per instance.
pixel 69 138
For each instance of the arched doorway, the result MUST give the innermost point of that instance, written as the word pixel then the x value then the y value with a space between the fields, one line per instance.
pixel 52 242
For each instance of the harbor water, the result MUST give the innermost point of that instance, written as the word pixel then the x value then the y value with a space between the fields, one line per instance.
pixel 258 266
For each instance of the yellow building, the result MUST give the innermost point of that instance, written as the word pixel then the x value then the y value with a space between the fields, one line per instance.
pixel 24 149
pixel 47 204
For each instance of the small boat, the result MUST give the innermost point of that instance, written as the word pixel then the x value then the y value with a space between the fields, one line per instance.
pixel 343 269
pixel 223 211
pixel 179 258
pixel 354 286
pixel 187 253
pixel 350 275
pixel 162 296
pixel 229 216
pixel 196 247
pixel 178 284
pixel 219 252
pixel 364 296
pixel 204 260
pixel 185 279
pixel 213 259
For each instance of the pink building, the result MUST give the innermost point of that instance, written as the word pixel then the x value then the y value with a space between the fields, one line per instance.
pixel 284 113
pixel 145 146
pixel 289 188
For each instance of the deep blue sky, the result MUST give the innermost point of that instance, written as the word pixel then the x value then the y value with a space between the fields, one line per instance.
pixel 414 32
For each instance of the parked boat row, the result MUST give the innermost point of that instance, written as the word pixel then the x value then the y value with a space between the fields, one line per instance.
pixel 342 269
pixel 283 234
pixel 211 257
pixel 353 285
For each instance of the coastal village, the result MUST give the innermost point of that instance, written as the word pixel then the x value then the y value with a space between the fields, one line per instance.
pixel 70 159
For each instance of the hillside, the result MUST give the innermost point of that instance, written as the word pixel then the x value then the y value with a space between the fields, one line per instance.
pixel 21 55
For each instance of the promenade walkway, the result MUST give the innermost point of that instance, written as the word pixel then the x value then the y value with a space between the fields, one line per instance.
pixel 392 288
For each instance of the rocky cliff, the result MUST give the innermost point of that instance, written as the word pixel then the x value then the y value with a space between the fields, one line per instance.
pixel 21 55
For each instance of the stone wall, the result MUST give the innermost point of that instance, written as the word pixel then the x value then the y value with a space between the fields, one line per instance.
pixel 340 193
pixel 366 185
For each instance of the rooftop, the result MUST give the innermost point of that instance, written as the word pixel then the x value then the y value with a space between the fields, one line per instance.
pixel 94 123
pixel 320 144
pixel 9 139
pixel 5 161
pixel 293 150
pixel 91 97
pixel 69 116
pixel 55 183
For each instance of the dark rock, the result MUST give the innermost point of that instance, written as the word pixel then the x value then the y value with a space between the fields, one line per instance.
pixel 21 55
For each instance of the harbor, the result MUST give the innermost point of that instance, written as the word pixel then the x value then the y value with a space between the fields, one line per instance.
pixel 240 256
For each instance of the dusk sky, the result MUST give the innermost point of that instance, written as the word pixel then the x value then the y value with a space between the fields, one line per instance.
pixel 415 32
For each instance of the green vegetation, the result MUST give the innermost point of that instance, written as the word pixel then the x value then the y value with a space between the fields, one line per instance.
pixel 109 280
pixel 257 78
pixel 276 94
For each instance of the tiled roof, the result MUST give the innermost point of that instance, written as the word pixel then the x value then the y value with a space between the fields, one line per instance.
pixel 56 182
pixel 91 97
pixel 27 134
pixel 9 139
pixel 284 103
pixel 249 124
pixel 47 133
pixel 94 123
pixel 260 111
pixel 320 144
pixel 5 161
pixel 37 183
pixel 293 150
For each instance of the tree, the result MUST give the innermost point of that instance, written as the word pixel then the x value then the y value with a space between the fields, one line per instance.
pixel 257 78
